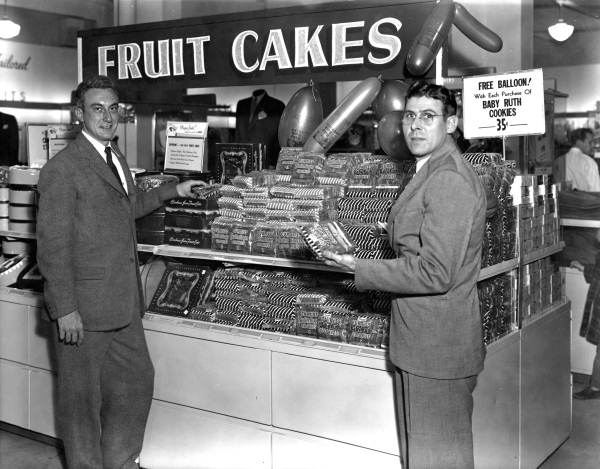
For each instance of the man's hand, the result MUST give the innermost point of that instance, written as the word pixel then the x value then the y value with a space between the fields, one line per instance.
pixel 345 261
pixel 184 189
pixel 70 328
pixel 577 265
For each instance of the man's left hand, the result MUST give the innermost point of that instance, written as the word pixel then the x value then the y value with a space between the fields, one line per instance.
pixel 184 189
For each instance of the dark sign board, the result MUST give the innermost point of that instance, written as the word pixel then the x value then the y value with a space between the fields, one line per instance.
pixel 287 45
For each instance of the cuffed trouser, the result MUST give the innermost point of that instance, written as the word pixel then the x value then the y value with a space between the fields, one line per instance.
pixel 434 421
pixel 104 393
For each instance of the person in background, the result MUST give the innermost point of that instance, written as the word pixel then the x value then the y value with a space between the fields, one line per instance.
pixel 590 324
pixel 436 228
pixel 577 166
pixel 9 140
pixel 582 248
pixel 87 254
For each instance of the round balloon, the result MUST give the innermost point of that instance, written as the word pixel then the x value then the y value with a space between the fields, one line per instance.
pixel 390 98
pixel 301 116
pixel 391 137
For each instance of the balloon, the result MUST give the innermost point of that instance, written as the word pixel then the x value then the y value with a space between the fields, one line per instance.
pixel 390 98
pixel 343 116
pixel 302 114
pixel 430 38
pixel 480 34
pixel 391 138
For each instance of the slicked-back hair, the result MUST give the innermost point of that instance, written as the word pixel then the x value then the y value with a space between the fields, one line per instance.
pixel 96 81
pixel 579 134
pixel 422 88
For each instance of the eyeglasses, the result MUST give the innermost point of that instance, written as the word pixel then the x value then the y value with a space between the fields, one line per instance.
pixel 426 117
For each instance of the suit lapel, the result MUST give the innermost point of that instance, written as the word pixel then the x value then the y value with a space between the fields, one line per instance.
pixel 416 183
pixel 97 164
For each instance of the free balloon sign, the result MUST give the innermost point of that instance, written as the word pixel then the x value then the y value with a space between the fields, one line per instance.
pixel 504 105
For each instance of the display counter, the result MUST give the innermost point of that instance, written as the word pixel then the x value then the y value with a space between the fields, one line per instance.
pixel 233 397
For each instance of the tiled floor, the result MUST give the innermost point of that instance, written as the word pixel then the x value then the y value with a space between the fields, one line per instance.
pixel 580 451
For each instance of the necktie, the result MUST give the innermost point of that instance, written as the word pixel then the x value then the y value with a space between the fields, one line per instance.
pixel 111 164
pixel 253 104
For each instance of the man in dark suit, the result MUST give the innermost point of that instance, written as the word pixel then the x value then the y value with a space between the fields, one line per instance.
pixel 87 254
pixel 9 140
pixel 257 121
pixel 436 342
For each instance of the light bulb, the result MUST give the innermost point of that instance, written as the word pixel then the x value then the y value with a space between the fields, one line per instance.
pixel 8 28
pixel 561 31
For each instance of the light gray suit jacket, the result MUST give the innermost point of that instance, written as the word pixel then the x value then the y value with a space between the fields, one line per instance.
pixel 436 229
pixel 87 248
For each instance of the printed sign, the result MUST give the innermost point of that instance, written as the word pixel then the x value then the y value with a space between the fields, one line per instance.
pixel 504 105
pixel 285 45
pixel 186 146
pixel 59 136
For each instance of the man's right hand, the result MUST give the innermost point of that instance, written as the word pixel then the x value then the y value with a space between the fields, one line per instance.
pixel 70 328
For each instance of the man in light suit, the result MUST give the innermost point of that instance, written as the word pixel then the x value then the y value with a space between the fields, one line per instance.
pixel 436 341
pixel 87 254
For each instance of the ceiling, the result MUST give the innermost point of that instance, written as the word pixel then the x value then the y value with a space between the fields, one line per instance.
pixel 581 48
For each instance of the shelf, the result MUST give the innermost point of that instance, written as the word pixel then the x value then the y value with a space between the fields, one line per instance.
pixel 546 312
pixel 208 254
pixel 17 234
pixel 35 105
pixel 24 297
pixel 580 223
pixel 541 253
pixel 498 269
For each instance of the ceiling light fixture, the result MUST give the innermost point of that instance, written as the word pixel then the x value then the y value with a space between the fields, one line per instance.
pixel 8 28
pixel 560 31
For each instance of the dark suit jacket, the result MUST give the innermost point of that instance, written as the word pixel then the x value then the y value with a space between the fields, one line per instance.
pixel 436 229
pixel 87 251
pixel 263 127
pixel 9 140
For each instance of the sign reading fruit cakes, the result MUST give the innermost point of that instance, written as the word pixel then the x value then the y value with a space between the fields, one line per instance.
pixel 285 45
pixel 504 105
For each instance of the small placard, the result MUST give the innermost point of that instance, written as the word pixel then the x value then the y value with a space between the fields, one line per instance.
pixel 186 146
pixel 504 105
pixel 37 144
pixel 59 136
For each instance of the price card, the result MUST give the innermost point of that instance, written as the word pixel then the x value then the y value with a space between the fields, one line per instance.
pixel 186 146
pixel 503 105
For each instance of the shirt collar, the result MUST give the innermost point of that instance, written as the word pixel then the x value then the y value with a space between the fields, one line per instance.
pixel 99 146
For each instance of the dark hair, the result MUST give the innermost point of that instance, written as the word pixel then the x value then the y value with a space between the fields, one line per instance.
pixel 579 134
pixel 422 88
pixel 96 81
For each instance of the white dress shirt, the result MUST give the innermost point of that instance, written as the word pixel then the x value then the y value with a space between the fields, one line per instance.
pixel 99 146
pixel 582 171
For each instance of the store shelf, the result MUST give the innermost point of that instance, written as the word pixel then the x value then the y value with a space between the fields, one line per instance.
pixel 541 253
pixel 498 269
pixel 207 254
pixel 17 234
pixel 580 223
pixel 566 305
pixel 24 297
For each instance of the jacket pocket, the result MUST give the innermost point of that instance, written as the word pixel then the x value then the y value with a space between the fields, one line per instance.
pixel 89 273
